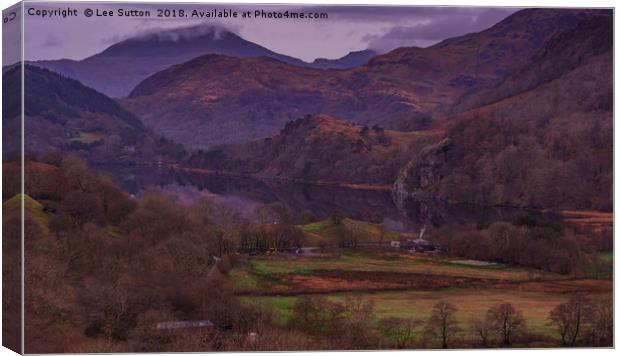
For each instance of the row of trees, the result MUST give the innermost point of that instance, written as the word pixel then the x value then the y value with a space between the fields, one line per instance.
pixel 539 245
pixel 580 321
pixel 263 237
pixel 583 321
pixel 323 318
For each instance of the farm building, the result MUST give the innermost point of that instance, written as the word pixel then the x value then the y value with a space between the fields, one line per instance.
pixel 173 325
pixel 420 244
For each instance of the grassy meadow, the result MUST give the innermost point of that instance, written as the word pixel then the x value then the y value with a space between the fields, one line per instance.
pixel 417 304
pixel 404 285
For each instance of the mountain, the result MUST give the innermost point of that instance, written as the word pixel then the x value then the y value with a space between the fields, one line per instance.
pixel 540 138
pixel 212 100
pixel 563 52
pixel 351 60
pixel 120 67
pixel 246 98
pixel 62 114
pixel 319 149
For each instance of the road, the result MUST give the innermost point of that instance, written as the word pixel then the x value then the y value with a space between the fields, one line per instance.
pixel 217 262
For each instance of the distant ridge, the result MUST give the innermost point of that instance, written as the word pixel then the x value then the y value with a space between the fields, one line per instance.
pixel 351 60
pixel 120 67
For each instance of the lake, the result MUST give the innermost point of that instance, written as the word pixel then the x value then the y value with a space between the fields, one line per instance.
pixel 245 194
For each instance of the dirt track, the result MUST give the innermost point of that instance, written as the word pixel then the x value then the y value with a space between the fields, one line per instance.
pixel 350 281
pixel 566 286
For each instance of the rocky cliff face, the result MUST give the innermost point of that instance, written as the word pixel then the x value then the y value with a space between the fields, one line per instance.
pixel 421 173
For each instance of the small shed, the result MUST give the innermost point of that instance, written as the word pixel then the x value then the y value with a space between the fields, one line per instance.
pixel 174 325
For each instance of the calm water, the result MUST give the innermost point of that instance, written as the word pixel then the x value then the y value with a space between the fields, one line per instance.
pixel 244 195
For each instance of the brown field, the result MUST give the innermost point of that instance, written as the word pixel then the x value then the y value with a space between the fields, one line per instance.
pixel 390 264
pixel 582 286
pixel 588 217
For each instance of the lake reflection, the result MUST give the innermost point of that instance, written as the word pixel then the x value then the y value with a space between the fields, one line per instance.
pixel 244 194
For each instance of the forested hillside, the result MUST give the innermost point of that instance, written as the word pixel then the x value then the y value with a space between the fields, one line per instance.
pixel 546 139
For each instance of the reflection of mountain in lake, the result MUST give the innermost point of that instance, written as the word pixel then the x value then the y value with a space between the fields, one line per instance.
pixel 320 201
pixel 243 194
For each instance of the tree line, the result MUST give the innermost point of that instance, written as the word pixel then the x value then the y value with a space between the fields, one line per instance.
pixel 581 321
pixel 533 242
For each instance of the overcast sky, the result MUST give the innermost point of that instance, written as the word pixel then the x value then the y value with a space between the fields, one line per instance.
pixel 348 28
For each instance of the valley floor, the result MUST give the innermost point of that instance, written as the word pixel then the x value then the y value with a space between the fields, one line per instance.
pixel 408 285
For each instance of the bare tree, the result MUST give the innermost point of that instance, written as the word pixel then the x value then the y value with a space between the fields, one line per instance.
pixel 401 329
pixel 357 327
pixel 507 321
pixel 442 323
pixel 568 319
pixel 600 321
pixel 482 328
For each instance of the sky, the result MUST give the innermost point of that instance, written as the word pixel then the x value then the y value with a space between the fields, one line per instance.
pixel 347 28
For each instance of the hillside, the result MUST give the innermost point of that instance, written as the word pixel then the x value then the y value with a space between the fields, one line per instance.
pixel 215 99
pixel 63 114
pixel 545 141
pixel 563 52
pixel 319 149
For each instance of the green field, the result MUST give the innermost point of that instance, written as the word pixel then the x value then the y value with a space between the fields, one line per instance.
pixel 267 271
pixel 388 279
pixel 418 304
pixel 606 256
pixel 603 268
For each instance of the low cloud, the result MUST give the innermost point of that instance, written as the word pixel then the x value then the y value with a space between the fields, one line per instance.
pixel 433 29
pixel 177 33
